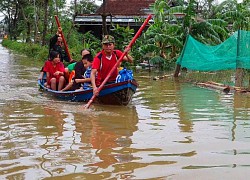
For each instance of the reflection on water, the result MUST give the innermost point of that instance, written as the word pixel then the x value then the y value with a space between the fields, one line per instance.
pixel 171 130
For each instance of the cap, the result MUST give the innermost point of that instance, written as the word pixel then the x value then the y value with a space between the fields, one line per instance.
pixel 108 39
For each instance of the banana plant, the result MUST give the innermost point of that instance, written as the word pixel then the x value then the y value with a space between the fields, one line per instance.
pixel 166 37
pixel 237 15
pixel 161 36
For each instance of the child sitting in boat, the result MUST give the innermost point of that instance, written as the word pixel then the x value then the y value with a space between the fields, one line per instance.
pixel 85 81
pixel 54 69
pixel 76 70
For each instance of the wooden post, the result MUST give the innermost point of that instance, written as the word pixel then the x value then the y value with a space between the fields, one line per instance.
pixel 248 82
pixel 177 70
pixel 104 19
pixel 178 66
pixel 239 74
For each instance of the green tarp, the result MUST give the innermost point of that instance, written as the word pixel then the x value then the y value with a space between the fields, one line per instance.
pixel 231 54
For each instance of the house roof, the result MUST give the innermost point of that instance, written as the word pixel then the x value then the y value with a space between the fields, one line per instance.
pixel 97 20
pixel 126 7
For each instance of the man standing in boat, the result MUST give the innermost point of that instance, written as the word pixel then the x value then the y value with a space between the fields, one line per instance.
pixel 104 61
pixel 56 44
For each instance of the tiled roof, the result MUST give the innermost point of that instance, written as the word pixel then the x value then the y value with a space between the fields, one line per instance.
pixel 126 7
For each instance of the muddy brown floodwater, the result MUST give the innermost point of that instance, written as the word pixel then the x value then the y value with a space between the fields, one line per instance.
pixel 171 130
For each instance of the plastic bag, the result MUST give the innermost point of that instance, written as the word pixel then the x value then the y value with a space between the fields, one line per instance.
pixel 124 75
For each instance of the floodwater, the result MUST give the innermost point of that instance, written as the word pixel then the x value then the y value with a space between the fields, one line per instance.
pixel 171 130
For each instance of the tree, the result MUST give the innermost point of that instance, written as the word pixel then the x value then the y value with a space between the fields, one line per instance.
pixel 86 7
pixel 237 15
pixel 45 20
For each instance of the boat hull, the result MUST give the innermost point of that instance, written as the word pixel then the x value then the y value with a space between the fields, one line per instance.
pixel 112 94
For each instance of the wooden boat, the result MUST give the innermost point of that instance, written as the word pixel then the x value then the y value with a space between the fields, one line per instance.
pixel 113 94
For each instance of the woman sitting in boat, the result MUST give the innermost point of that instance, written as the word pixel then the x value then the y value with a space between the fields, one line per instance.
pixel 83 83
pixel 54 69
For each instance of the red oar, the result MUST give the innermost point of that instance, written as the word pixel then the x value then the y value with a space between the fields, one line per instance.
pixel 64 41
pixel 120 59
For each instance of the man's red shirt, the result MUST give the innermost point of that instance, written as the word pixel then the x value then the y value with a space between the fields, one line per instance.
pixel 104 65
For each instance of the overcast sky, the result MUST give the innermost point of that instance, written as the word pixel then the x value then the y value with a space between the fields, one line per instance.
pixel 1 16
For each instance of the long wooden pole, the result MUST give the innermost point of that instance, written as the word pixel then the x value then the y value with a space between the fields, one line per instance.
pixel 239 71
pixel 119 60
pixel 64 41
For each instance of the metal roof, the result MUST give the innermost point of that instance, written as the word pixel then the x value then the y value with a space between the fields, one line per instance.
pixel 97 19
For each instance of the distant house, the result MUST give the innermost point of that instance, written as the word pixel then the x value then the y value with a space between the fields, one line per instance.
pixel 2 29
pixel 122 12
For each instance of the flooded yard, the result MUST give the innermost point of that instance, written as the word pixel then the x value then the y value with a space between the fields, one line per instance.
pixel 170 130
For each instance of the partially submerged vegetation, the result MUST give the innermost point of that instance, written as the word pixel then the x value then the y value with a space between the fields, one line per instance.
pixel 226 77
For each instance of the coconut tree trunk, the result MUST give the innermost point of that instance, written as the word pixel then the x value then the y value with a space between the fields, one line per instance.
pixel 46 2
pixel 35 24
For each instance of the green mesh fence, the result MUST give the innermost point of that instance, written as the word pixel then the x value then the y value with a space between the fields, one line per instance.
pixel 231 54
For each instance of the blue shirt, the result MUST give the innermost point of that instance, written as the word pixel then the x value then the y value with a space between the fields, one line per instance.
pixel 87 85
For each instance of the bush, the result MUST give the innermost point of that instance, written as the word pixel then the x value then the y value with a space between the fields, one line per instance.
pixel 30 50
